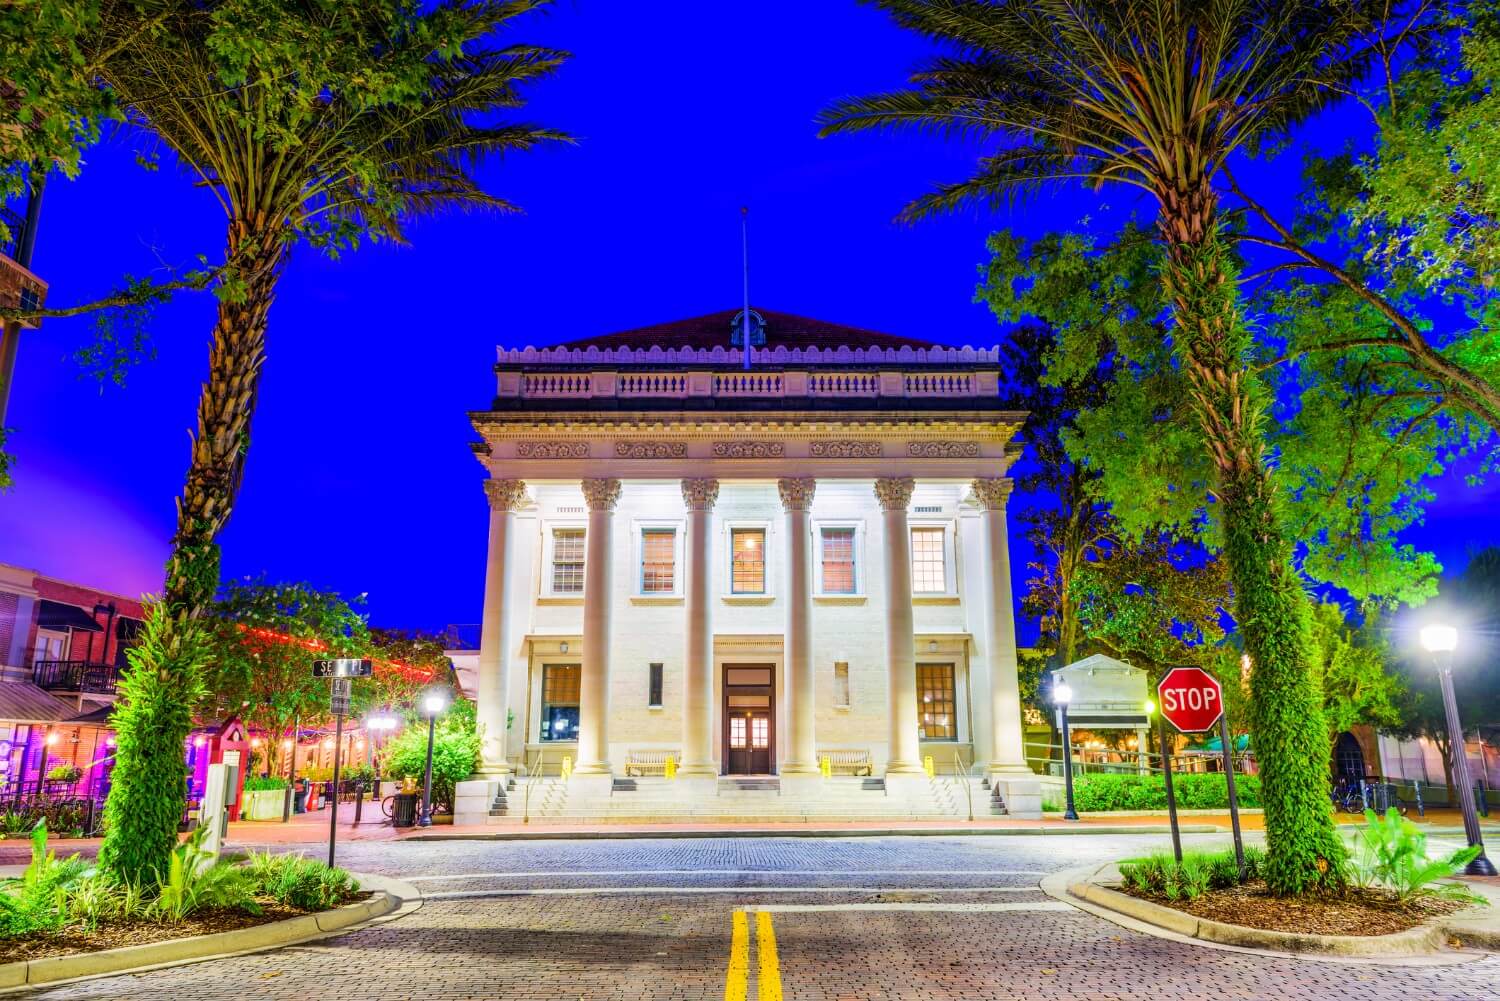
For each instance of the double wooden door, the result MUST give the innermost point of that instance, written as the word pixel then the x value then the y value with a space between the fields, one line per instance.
pixel 749 719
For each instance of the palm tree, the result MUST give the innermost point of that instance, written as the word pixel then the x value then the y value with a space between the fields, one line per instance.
pixel 325 124
pixel 1158 94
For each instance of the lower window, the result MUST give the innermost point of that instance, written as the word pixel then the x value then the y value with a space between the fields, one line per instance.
pixel 936 717
pixel 560 684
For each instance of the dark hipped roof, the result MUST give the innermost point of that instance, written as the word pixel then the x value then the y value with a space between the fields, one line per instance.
pixel 23 702
pixel 782 330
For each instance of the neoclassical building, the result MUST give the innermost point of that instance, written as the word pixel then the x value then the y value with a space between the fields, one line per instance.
pixel 797 569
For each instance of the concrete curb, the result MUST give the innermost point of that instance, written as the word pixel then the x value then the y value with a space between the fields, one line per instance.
pixel 393 899
pixel 541 833
pixel 1473 927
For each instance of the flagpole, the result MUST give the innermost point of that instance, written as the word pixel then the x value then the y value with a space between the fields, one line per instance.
pixel 745 253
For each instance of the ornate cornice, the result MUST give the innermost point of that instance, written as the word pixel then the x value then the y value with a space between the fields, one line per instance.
pixel 894 492
pixel 749 449
pixel 942 449
pixel 844 449
pixel 552 449
pixel 601 495
pixel 700 495
pixel 993 493
pixel 505 495
pixel 797 494
pixel 650 449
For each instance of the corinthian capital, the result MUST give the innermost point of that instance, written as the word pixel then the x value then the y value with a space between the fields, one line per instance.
pixel 505 495
pixel 601 495
pixel 894 492
pixel 700 495
pixel 797 494
pixel 993 493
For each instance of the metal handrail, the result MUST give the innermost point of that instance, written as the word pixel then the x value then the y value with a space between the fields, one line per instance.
pixel 531 775
pixel 961 769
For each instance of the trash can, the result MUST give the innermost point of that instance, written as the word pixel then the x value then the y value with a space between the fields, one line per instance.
pixel 404 811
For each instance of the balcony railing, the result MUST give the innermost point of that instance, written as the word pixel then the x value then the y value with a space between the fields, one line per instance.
pixel 75 676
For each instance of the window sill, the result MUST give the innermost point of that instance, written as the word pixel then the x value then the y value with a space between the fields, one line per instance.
pixel 841 709
pixel 934 599
pixel 840 599
pixel 655 709
pixel 747 599
pixel 656 599
pixel 559 599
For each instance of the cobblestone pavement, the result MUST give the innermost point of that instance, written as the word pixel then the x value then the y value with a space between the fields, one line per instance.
pixel 857 919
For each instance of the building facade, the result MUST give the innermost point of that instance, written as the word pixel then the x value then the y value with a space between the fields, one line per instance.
pixel 752 571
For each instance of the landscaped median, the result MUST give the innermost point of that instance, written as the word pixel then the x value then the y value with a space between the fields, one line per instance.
pixel 1397 901
pixel 62 920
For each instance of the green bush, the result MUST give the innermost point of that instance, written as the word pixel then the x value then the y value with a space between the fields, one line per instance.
pixel 1392 852
pixel 1160 875
pixel 30 904
pixel 264 783
pixel 455 752
pixel 65 773
pixel 98 897
pixel 1105 793
pixel 195 880
pixel 301 882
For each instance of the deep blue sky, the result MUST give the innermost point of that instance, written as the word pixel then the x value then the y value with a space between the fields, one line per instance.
pixel 359 476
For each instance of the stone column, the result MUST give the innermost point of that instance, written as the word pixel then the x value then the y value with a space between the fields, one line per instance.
pixel 598 593
pixel 801 699
pixel 698 655
pixel 1006 753
pixel 900 639
pixel 505 497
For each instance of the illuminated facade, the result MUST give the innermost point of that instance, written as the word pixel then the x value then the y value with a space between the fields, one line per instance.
pixel 788 569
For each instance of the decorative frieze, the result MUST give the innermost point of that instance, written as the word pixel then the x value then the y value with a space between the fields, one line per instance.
pixel 894 492
pixel 797 493
pixel 700 495
pixel 552 449
pixel 942 449
pixel 505 495
pixel 845 449
pixel 601 495
pixel 749 449
pixel 993 493
pixel 650 449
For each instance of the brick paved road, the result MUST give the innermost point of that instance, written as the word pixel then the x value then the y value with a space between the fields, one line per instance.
pixel 908 918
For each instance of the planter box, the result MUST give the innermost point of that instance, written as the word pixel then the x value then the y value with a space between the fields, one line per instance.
pixel 263 804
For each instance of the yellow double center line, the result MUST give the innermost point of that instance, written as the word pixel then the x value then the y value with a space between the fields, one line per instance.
pixel 737 977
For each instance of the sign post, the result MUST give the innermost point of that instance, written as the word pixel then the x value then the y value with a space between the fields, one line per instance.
pixel 340 671
pixel 1192 700
pixel 1166 774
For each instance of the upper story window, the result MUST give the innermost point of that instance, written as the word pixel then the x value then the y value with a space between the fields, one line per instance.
pixel 748 561
pixel 567 560
pixel 929 569
pixel 658 560
pixel 839 574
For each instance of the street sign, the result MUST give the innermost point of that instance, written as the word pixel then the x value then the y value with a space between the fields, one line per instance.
pixel 1191 699
pixel 344 667
pixel 339 698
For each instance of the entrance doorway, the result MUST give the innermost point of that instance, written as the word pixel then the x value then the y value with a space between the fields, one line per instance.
pixel 749 719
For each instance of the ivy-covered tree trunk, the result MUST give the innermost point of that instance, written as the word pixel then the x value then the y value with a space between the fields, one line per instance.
pixel 165 681
pixel 1303 850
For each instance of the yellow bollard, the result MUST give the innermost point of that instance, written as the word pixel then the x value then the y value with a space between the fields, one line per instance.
pixel 825 765
pixel 567 766
pixel 928 767
pixel 671 768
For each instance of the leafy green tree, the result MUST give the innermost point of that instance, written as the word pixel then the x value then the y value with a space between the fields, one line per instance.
pixel 327 124
pixel 1159 94
pixel 265 638
pixel 455 750
pixel 1358 688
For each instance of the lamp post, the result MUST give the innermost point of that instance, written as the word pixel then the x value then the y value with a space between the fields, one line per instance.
pixel 1440 641
pixel 433 704
pixel 1061 696
pixel 380 725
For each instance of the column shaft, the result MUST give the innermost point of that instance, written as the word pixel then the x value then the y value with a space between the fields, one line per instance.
pixel 1006 751
pixel 900 636
pixel 698 654
pixel 801 690
pixel 598 595
pixel 494 636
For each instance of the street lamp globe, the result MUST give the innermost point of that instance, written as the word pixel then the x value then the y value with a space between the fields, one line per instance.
pixel 1062 694
pixel 1439 638
pixel 433 703
pixel 1150 708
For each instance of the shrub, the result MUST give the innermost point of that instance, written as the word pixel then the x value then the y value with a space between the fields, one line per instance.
pixel 67 774
pixel 1105 793
pixel 98 897
pixel 1160 875
pixel 195 880
pixel 1392 852
pixel 301 882
pixel 264 783
pixel 30 904
pixel 455 752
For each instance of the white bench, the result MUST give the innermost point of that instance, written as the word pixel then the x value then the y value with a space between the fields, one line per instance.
pixel 648 762
pixel 848 761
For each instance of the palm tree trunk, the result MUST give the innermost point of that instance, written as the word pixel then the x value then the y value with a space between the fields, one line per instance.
pixel 1303 850
pixel 165 682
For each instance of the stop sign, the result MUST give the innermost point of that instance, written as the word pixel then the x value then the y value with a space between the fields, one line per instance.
pixel 1191 699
